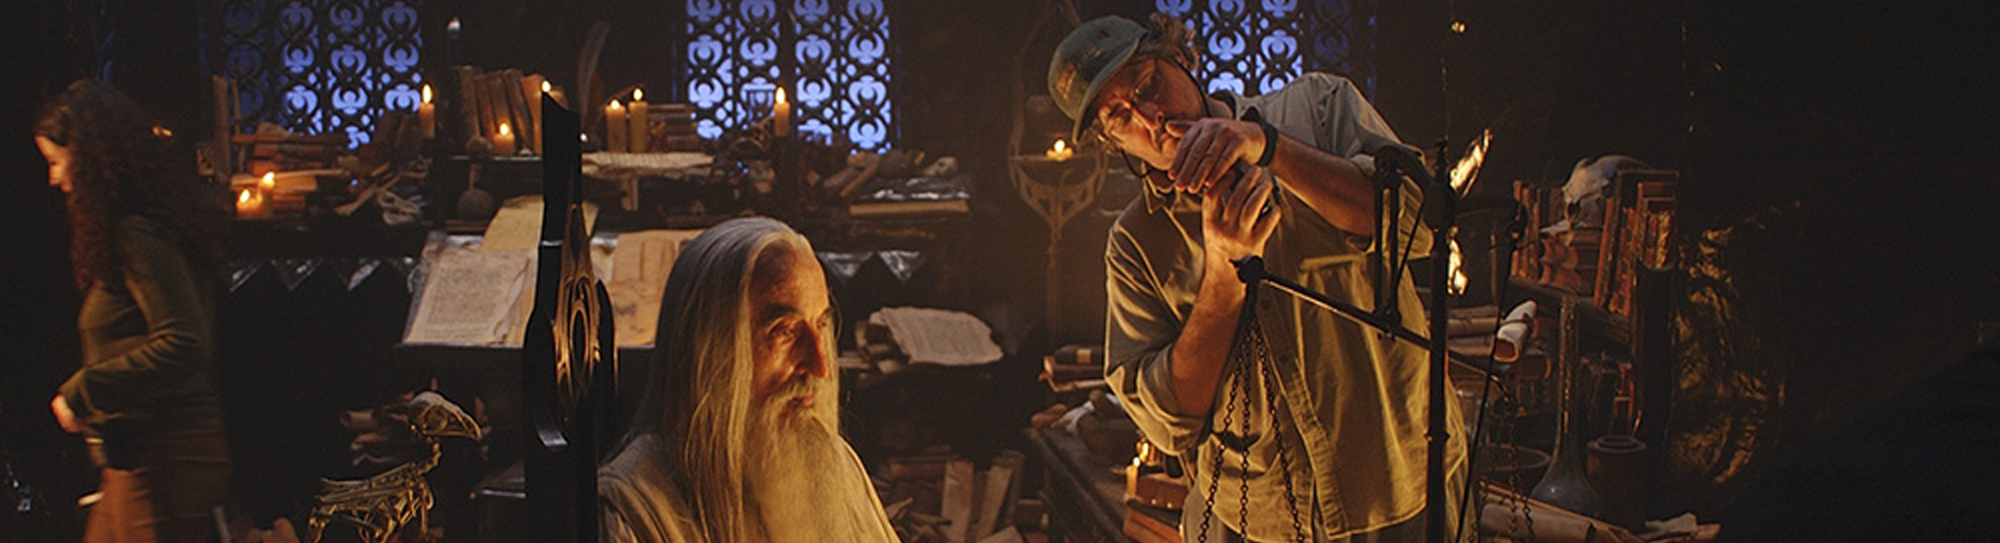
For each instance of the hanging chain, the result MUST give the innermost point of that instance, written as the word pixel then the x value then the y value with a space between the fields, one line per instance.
pixel 1261 351
pixel 1250 349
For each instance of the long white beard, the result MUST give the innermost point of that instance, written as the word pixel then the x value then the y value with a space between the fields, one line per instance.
pixel 804 483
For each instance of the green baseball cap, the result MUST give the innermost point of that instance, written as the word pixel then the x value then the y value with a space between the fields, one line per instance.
pixel 1085 60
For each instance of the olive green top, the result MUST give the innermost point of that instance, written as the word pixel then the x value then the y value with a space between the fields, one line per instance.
pixel 148 340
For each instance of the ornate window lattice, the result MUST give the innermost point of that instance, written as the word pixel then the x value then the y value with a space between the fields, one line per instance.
pixel 322 66
pixel 1257 46
pixel 838 60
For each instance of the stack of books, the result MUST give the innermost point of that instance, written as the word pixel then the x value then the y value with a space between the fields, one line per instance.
pixel 673 127
pixel 277 151
pixel 1635 235
pixel 1074 367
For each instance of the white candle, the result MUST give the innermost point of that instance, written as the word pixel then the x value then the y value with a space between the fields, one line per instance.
pixel 503 143
pixel 641 135
pixel 250 204
pixel 781 116
pixel 615 127
pixel 427 115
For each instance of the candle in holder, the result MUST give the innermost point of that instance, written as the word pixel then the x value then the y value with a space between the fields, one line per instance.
pixel 641 134
pixel 503 142
pixel 1060 151
pixel 781 116
pixel 427 115
pixel 615 127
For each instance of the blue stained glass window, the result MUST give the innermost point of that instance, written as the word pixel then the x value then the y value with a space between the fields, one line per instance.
pixel 839 60
pixel 322 66
pixel 1257 46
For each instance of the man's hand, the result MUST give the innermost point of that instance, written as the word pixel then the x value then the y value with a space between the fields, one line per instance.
pixel 1233 222
pixel 1209 147
pixel 64 416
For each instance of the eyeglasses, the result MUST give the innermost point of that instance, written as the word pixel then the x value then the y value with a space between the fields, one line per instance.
pixel 1120 113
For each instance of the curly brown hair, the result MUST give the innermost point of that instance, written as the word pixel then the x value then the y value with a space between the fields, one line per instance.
pixel 124 164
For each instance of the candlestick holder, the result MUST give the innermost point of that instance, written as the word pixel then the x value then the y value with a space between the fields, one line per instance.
pixel 1057 189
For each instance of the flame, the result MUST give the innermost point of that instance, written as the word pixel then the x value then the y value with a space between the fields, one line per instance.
pixel 638 95
pixel 781 96
pixel 505 131
pixel 545 86
pixel 1060 151
pixel 1467 169
pixel 427 93
pixel 269 181
pixel 243 197
pixel 1458 278
pixel 616 107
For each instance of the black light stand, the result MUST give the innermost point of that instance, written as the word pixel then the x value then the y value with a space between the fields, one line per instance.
pixel 1440 210
pixel 569 353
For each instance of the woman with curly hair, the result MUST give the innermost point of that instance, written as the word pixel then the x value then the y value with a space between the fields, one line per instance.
pixel 146 242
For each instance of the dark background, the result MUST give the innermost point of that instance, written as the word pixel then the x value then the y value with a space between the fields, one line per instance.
pixel 1834 232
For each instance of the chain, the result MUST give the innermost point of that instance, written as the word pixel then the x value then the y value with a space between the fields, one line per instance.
pixel 1262 351
pixel 1250 349
pixel 1215 473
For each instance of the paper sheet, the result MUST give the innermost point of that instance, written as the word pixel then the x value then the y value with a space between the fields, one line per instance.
pixel 518 224
pixel 639 269
pixel 469 297
pixel 939 336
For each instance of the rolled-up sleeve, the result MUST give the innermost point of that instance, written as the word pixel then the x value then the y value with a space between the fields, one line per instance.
pixel 1140 330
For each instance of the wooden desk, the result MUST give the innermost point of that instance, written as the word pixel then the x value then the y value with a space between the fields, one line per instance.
pixel 1086 501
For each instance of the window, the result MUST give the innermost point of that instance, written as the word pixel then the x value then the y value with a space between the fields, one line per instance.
pixel 322 66
pixel 1257 46
pixel 837 51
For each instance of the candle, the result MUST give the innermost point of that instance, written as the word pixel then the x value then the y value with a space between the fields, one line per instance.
pixel 250 204
pixel 615 127
pixel 503 142
pixel 781 116
pixel 1060 151
pixel 427 115
pixel 642 132
pixel 555 92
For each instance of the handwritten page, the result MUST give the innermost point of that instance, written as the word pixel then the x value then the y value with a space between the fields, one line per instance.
pixel 518 224
pixel 470 297
pixel 639 268
pixel 939 336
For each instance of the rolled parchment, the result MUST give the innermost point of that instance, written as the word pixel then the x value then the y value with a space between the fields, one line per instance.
pixel 1513 335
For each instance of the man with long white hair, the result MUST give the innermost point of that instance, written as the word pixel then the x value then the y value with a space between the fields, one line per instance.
pixel 737 438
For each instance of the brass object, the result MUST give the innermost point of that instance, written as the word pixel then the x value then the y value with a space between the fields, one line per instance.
pixel 382 505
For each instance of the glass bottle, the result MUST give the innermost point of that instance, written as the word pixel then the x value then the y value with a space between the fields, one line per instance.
pixel 1566 485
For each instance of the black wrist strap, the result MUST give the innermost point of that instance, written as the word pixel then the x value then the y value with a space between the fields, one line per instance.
pixel 1270 136
pixel 1270 144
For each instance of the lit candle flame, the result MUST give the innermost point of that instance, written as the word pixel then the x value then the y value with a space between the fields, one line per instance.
pixel 270 181
pixel 1060 151
pixel 427 93
pixel 781 96
pixel 615 106
pixel 638 95
pixel 504 130
pixel 546 87
pixel 243 197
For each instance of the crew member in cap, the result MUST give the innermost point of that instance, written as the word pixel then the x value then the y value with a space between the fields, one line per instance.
pixel 1334 438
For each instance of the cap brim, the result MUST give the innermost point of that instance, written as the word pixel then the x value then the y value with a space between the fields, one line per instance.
pixel 1089 112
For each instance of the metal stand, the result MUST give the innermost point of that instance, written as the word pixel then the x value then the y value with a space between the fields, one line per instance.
pixel 569 354
pixel 1440 210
